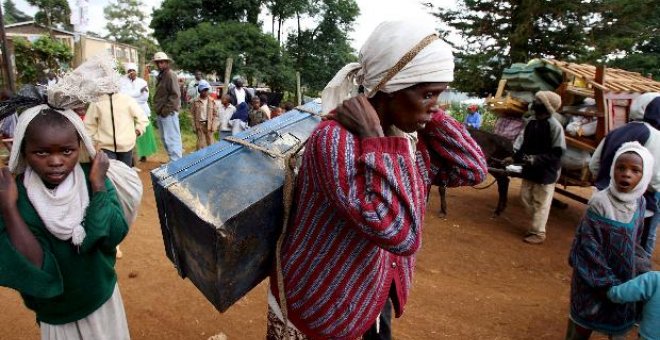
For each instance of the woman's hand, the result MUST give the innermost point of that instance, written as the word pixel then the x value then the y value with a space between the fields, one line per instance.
pixel 100 166
pixel 359 117
pixel 8 190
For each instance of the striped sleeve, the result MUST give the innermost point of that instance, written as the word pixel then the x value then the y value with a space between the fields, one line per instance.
pixel 373 183
pixel 456 159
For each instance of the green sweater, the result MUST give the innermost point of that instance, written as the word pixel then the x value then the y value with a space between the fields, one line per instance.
pixel 73 281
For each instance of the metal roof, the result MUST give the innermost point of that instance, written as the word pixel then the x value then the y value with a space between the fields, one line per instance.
pixel 616 80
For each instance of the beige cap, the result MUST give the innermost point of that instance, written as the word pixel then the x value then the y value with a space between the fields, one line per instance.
pixel 160 56
pixel 551 100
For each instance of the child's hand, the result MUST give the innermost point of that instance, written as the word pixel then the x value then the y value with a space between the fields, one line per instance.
pixel 100 166
pixel 8 190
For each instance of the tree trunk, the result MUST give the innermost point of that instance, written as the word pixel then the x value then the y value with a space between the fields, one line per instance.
pixel 272 25
pixel 298 17
pixel 49 23
pixel 279 30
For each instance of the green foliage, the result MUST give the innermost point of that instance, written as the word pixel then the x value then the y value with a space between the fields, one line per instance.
pixel 318 53
pixel 206 33
pixel 52 13
pixel 256 55
pixel 33 58
pixel 459 111
pixel 497 33
pixel 12 14
pixel 645 57
pixel 281 10
pixel 125 21
pixel 125 24
pixel 175 16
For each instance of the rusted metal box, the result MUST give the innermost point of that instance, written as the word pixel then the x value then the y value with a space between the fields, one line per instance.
pixel 220 208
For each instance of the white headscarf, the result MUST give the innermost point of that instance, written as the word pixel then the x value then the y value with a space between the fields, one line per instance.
pixel 384 48
pixel 17 164
pixel 619 206
pixel 62 209
pixel 643 184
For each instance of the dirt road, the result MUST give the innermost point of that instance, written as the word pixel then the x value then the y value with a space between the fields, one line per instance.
pixel 475 279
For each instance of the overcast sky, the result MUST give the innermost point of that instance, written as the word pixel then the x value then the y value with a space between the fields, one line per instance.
pixel 372 12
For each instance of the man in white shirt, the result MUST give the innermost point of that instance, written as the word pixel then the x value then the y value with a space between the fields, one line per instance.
pixel 138 89
pixel 225 111
pixel 239 94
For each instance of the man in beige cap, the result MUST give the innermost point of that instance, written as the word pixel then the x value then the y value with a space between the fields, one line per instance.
pixel 539 148
pixel 167 102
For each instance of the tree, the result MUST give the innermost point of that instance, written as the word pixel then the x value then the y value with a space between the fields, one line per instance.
pixel 256 55
pixel 125 21
pixel 126 25
pixel 496 33
pixel 52 13
pixel 175 16
pixel 12 14
pixel 645 59
pixel 33 58
pixel 281 10
pixel 320 52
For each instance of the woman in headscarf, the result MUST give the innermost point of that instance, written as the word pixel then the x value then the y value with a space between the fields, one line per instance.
pixel 349 253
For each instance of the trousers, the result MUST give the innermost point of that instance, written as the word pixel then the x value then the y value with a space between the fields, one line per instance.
pixel 537 198
pixel 170 135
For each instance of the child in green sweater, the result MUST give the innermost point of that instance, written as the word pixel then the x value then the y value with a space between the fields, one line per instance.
pixel 60 222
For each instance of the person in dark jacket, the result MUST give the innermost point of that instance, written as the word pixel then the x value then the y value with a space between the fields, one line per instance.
pixel 167 102
pixel 539 148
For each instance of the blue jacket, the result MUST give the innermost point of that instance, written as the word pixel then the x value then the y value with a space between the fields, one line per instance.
pixel 645 287
pixel 473 120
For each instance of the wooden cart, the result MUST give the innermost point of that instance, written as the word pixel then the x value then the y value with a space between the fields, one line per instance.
pixel 613 91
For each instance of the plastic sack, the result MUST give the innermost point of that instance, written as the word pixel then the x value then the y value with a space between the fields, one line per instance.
pixel 575 159
pixel 581 126
pixel 129 188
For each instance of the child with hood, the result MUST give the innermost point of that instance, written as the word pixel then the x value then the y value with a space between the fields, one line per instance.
pixel 606 247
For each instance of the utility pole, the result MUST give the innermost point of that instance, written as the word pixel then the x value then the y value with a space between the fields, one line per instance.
pixel 228 67
pixel 6 65
pixel 298 90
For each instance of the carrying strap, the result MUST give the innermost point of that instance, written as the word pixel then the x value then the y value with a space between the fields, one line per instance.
pixel 112 116
pixel 407 58
pixel 290 159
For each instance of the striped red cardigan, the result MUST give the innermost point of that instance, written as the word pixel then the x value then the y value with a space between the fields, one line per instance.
pixel 358 223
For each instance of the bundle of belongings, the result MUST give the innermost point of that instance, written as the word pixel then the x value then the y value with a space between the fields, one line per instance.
pixel 522 82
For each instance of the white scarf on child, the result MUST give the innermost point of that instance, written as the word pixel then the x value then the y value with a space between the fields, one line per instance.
pixel 61 209
pixel 619 206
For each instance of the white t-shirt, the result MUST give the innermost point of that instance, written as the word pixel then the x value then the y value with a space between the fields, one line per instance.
pixel 240 95
pixel 202 114
pixel 225 114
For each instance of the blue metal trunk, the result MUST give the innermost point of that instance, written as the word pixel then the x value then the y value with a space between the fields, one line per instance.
pixel 220 208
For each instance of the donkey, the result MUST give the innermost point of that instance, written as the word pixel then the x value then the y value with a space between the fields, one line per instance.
pixel 495 148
